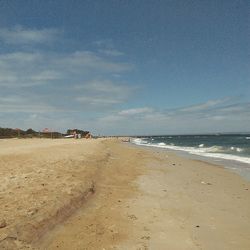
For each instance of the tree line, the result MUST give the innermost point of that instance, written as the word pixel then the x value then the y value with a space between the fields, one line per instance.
pixel 30 133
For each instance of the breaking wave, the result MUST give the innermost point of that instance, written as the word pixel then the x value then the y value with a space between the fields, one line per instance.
pixel 227 153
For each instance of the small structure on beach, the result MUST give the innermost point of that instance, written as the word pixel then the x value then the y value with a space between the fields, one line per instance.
pixel 88 136
pixel 78 134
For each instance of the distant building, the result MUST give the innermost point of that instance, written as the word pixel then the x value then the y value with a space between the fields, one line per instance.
pixel 77 132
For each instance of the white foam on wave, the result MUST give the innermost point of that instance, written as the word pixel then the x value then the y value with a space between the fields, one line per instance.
pixel 237 149
pixel 139 141
pixel 212 149
pixel 213 152
pixel 248 138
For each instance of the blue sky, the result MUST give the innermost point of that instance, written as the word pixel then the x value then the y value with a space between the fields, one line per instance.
pixel 125 67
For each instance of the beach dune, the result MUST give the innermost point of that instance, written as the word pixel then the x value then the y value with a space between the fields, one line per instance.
pixel 108 194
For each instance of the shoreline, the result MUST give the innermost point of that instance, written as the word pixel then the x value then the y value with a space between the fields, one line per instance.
pixel 139 198
pixel 240 168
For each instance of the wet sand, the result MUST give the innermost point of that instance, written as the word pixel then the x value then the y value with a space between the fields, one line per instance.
pixel 105 194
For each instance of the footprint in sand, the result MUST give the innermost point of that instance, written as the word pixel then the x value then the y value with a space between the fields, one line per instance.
pixel 145 237
pixel 132 217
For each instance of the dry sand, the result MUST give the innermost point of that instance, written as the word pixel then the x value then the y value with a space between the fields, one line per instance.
pixel 104 194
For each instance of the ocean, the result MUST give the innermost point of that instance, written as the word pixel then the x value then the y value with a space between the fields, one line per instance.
pixel 229 150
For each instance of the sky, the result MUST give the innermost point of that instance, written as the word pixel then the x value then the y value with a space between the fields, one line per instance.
pixel 142 67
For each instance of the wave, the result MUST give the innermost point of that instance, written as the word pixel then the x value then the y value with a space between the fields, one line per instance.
pixel 139 141
pixel 237 149
pixel 213 152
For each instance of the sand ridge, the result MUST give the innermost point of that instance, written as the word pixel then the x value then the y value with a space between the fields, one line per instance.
pixel 40 186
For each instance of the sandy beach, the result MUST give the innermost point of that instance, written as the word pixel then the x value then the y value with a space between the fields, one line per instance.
pixel 108 194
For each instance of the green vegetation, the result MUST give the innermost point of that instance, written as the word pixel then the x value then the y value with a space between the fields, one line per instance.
pixel 30 133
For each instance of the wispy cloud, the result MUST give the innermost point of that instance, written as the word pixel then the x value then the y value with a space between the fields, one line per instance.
pixel 107 47
pixel 97 95
pixel 98 101
pixel 105 86
pixel 30 69
pixel 25 68
pixel 222 115
pixel 104 92
pixel 92 60
pixel 58 88
pixel 204 106
pixel 34 80
pixel 104 43
pixel 20 35
pixel 111 52
pixel 136 111
pixel 42 79
pixel 220 107
pixel 24 104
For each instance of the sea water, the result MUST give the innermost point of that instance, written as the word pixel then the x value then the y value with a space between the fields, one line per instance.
pixel 229 150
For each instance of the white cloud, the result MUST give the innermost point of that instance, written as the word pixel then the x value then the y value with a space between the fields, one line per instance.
pixel 95 95
pixel 136 111
pixel 24 103
pixel 131 116
pixel 104 43
pixel 61 88
pixel 91 60
pixel 104 92
pixel 30 69
pixel 21 35
pixel 111 52
pixel 97 101
pixel 140 120
pixel 45 76
pixel 26 108
pixel 213 116
pixel 22 68
pixel 107 86
pixel 20 57
pixel 204 106
pixel 53 74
